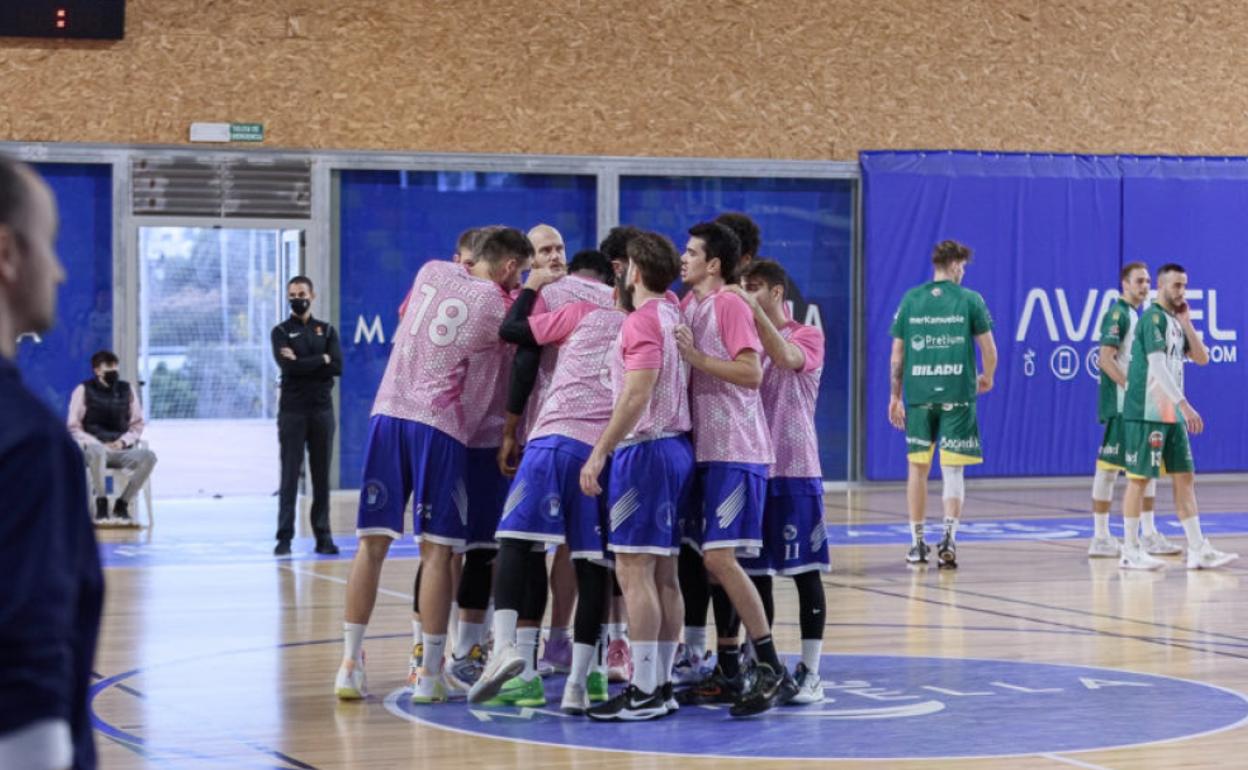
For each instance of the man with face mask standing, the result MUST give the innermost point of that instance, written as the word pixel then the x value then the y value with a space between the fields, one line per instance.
pixel 310 357
pixel 106 420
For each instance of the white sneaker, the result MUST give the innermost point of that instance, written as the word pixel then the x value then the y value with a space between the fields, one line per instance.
pixel 575 699
pixel 1208 557
pixel 1106 547
pixel 429 688
pixel 810 686
pixel 1157 545
pixel 501 667
pixel 1135 558
pixel 350 684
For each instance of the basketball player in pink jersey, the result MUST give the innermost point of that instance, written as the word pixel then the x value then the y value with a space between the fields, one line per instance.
pixel 731 441
pixel 651 472
pixel 795 540
pixel 545 504
pixel 425 411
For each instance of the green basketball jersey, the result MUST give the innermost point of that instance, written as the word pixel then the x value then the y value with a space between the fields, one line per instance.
pixel 1117 331
pixel 938 322
pixel 1156 331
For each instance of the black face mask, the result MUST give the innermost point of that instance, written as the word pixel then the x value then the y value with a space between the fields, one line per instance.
pixel 111 377
pixel 300 306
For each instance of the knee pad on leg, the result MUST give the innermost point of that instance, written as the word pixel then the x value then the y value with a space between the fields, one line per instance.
pixel 1103 485
pixel 1150 490
pixel 475 580
pixel 954 483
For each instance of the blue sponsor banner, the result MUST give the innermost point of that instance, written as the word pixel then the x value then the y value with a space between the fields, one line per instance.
pixel 52 364
pixel 807 226
pixel 1194 211
pixel 391 223
pixel 1045 233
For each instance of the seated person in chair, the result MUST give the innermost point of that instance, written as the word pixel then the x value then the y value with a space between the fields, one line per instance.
pixel 106 419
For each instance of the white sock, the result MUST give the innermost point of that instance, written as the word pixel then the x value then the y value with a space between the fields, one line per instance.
pixel 557 634
pixel 1100 522
pixel 916 532
pixel 1148 522
pixel 504 629
pixel 617 631
pixel 469 634
pixel 435 650
pixel 951 527
pixel 1191 528
pixel 646 666
pixel 582 657
pixel 812 651
pixel 667 656
pixel 353 641
pixel 526 645
pixel 452 622
pixel 1131 532
pixel 416 636
pixel 695 640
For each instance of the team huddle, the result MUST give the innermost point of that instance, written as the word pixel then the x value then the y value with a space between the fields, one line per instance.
pixel 666 444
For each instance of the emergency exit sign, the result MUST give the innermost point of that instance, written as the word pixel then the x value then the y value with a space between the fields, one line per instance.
pixel 227 132
pixel 246 132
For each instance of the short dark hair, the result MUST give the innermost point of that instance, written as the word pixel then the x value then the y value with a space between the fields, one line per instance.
pixel 1170 267
pixel 615 246
pixel 466 238
pixel 722 244
pixel 103 358
pixel 14 193
pixel 1130 268
pixel 745 228
pixel 655 259
pixel 593 261
pixel 950 252
pixel 502 244
pixel 768 271
pixel 303 279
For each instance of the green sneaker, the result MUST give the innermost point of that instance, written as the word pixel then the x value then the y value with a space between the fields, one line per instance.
pixel 596 686
pixel 518 692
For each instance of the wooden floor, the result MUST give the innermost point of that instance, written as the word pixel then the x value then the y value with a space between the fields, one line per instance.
pixel 213 654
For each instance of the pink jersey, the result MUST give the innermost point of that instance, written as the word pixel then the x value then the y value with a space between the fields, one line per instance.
pixel 647 340
pixel 491 366
pixel 552 297
pixel 579 403
pixel 789 402
pixel 728 421
pixel 452 317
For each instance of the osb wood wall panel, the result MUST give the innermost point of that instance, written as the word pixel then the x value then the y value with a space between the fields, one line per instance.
pixel 817 79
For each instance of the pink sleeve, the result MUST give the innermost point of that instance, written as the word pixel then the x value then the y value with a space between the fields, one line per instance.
pixel 403 305
pixel 539 306
pixel 135 431
pixel 555 327
pixel 736 325
pixel 77 411
pixel 810 340
pixel 641 341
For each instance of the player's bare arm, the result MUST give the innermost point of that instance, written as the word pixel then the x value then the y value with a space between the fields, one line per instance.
pixel 745 370
pixel 896 366
pixel 988 355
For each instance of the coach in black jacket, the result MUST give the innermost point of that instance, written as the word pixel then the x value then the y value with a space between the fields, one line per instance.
pixel 310 357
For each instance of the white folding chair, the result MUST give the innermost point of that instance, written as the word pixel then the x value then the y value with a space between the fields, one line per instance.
pixel 115 480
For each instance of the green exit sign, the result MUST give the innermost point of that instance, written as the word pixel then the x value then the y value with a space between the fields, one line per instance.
pixel 246 132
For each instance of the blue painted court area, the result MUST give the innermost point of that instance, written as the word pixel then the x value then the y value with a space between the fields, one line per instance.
pixel 892 707
pixel 231 551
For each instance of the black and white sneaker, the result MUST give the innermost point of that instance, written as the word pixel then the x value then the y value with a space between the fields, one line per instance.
pixel 947 553
pixel 789 690
pixel 631 705
pixel 762 694
pixel 669 698
pixel 918 553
